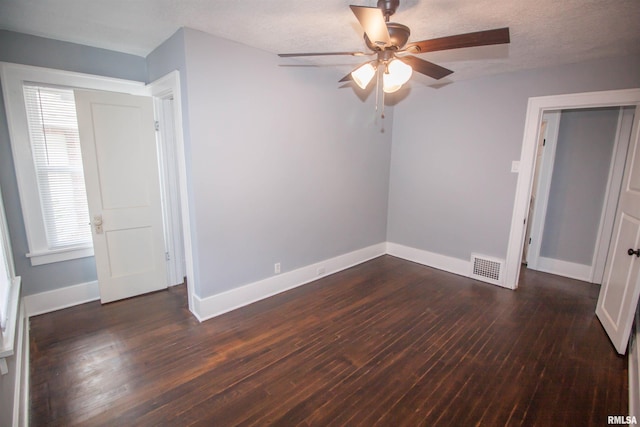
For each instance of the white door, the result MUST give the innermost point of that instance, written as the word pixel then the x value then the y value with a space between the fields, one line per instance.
pixel 534 189
pixel 120 160
pixel 621 285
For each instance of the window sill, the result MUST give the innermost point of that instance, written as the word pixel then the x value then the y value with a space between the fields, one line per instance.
pixel 58 255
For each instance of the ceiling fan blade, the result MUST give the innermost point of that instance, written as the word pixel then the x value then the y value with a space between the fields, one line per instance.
pixel 425 67
pixel 346 78
pixel 479 38
pixel 291 55
pixel 372 21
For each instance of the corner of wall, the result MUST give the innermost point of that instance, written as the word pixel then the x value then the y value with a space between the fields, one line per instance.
pixel 215 305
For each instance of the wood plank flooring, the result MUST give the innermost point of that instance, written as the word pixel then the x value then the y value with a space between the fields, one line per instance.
pixel 387 343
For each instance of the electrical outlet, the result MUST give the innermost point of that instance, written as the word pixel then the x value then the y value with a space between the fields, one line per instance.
pixel 320 271
pixel 276 268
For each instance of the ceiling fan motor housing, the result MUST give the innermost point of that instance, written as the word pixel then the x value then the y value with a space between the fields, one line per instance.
pixel 398 35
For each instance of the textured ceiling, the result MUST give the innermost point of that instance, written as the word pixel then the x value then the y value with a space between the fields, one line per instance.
pixel 543 32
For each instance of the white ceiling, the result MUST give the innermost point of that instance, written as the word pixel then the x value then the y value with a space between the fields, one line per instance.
pixel 543 32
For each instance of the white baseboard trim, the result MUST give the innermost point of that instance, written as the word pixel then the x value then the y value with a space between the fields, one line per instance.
pixel 565 268
pixel 430 259
pixel 215 305
pixel 57 299
pixel 446 263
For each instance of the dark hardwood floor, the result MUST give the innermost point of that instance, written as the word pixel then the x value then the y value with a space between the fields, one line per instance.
pixel 388 343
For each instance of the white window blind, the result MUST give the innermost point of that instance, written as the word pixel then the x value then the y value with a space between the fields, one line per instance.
pixel 55 144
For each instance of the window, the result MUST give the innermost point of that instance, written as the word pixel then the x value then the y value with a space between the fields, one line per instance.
pixel 55 145
pixel 43 132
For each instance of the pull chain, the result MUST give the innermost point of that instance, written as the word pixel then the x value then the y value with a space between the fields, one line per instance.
pixel 377 87
pixel 379 90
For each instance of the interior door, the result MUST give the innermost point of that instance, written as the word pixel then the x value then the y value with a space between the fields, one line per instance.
pixel 120 160
pixel 620 289
pixel 534 188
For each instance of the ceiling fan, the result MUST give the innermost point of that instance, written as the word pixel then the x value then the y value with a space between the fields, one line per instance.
pixel 388 42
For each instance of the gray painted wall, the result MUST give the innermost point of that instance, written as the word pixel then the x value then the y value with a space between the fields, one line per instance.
pixel 578 184
pixel 285 167
pixel 451 189
pixel 38 51
pixel 32 50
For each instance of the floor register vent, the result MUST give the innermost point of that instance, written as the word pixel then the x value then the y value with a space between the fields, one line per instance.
pixel 487 269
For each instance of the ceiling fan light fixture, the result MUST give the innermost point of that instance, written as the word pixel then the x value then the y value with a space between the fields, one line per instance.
pixel 396 74
pixel 399 71
pixel 389 86
pixel 363 75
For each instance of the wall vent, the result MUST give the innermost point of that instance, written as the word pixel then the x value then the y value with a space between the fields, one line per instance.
pixel 487 269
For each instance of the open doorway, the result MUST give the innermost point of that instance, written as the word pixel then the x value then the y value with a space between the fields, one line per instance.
pixel 577 177
pixel 535 110
pixel 14 79
pixel 168 107
pixel 541 178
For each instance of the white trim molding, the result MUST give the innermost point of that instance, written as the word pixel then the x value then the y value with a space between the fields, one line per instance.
pixel 165 87
pixel 568 269
pixel 535 109
pixel 57 255
pixel 215 305
pixel 430 259
pixel 57 299
pixel 8 336
pixel 21 407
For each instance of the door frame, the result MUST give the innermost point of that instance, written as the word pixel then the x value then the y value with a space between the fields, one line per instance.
pixel 536 107
pixel 170 187
pixel 13 75
pixel 595 271
pixel 166 87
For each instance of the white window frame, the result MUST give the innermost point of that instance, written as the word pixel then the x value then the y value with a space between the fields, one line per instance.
pixel 13 77
pixel 10 300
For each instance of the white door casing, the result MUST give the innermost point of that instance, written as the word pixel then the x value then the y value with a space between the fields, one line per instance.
pixel 174 241
pixel 167 87
pixel 536 107
pixel 120 163
pixel 620 288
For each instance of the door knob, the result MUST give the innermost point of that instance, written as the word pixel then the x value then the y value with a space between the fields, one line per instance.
pixel 97 223
pixel 632 252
